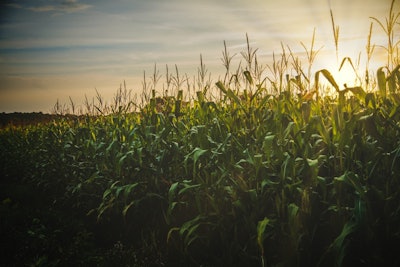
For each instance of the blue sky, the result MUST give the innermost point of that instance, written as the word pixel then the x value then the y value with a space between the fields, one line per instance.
pixel 53 49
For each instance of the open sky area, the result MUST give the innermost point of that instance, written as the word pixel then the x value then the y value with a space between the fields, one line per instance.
pixel 56 49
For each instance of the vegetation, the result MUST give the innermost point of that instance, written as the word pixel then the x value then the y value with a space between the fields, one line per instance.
pixel 260 170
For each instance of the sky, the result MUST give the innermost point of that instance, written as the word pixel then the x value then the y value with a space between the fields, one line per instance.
pixel 55 49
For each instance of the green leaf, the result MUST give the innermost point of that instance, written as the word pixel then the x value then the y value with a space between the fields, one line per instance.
pixel 188 230
pixel 268 144
pixel 370 100
pixel 312 163
pixel 328 76
pixel 188 187
pixel 127 207
pixel 106 193
pixel 111 149
pixel 381 77
pixel 173 229
pixel 261 233
pixel 172 191
pixel 128 188
pixel 197 152
pixel 360 211
pixel 293 209
pixel 353 180
pixel 248 76
pixel 395 110
pixel 357 91
pixel 288 129
pixel 341 178
pixel 339 244
pixel 221 86
pixel 229 93
pixel 392 77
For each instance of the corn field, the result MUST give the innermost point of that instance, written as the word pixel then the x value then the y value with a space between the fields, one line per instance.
pixel 251 170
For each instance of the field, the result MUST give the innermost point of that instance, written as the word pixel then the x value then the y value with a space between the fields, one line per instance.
pixel 253 170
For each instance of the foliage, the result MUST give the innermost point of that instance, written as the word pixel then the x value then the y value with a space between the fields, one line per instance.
pixel 250 174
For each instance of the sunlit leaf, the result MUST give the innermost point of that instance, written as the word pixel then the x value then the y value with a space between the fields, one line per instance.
pixel 381 78
pixel 328 76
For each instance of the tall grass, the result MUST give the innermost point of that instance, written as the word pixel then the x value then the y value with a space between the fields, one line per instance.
pixel 261 169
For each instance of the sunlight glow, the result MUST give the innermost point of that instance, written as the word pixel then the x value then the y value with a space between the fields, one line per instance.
pixel 346 76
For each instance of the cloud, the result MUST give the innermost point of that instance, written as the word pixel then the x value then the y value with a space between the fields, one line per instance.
pixel 67 6
pixel 13 5
pixel 42 8
pixel 73 5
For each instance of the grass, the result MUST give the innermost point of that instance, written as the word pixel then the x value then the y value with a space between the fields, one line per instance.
pixel 258 170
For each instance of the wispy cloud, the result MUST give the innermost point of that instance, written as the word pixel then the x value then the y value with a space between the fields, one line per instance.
pixel 73 5
pixel 42 8
pixel 67 6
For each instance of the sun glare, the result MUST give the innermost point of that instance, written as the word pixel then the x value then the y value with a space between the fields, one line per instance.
pixel 346 76
pixel 345 72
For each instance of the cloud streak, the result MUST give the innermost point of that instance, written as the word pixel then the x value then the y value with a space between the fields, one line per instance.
pixel 66 6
